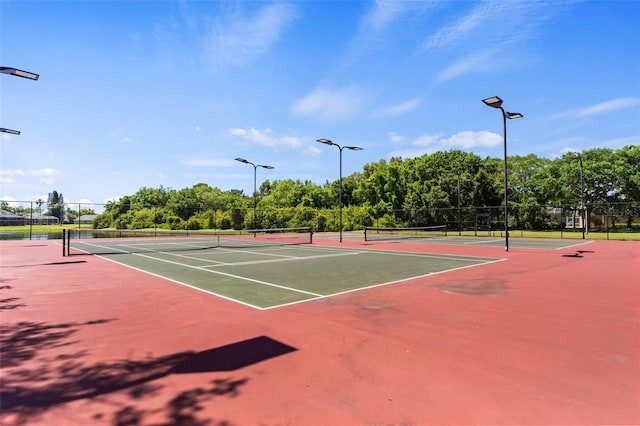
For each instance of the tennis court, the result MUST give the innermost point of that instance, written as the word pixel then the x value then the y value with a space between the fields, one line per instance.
pixel 267 271
pixel 547 336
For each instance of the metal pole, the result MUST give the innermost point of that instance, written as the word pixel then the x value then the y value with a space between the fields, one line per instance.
pixel 30 220
pixel 255 222
pixel 506 185
pixel 459 209
pixel 340 194
pixel 582 206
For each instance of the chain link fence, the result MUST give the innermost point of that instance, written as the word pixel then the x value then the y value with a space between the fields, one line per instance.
pixel 487 220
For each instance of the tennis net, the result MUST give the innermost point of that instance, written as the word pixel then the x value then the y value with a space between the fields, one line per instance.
pixel 381 233
pixel 94 241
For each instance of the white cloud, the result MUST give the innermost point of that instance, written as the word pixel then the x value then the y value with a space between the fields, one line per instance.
pixel 120 134
pixel 427 144
pixel 203 161
pixel 395 138
pixel 483 60
pixel 48 172
pixel 568 149
pixel 382 14
pixel 608 106
pixel 312 151
pixel 17 172
pixel 600 108
pixel 421 145
pixel 398 109
pixel 425 140
pixel 331 105
pixel 451 35
pixel 113 199
pixel 197 128
pixel 46 176
pixel 494 36
pixel 266 138
pixel 470 139
pixel 242 40
pixel 6 136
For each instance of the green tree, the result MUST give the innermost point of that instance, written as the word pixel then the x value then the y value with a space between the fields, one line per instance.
pixel 55 205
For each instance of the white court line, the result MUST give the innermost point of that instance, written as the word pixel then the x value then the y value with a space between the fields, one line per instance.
pixel 256 262
pixel 460 258
pixel 484 241
pixel 281 257
pixel 575 245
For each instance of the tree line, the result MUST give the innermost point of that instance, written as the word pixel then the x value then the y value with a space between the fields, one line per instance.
pixel 426 190
pixel 54 206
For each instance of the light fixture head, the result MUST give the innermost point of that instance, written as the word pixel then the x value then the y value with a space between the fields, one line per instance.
pixel 19 73
pixel 266 167
pixel 242 160
pixel 354 148
pixel 513 115
pixel 325 141
pixel 494 102
pixel 10 131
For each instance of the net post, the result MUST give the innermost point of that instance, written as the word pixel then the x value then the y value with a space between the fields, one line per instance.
pixel 64 242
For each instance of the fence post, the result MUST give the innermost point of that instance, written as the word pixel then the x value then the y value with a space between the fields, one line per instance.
pixel 30 219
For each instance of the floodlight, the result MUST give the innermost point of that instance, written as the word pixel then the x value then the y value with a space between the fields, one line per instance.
pixel 10 131
pixel 494 102
pixel 19 73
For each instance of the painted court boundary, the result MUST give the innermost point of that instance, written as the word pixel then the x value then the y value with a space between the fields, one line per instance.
pixel 314 296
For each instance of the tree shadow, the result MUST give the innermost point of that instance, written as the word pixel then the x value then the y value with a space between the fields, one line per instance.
pixel 185 407
pixel 34 382
pixel 8 303
pixel 21 342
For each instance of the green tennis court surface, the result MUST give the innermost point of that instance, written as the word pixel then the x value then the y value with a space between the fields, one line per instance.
pixel 270 276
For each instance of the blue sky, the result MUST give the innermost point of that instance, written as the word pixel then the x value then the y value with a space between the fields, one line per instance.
pixel 167 93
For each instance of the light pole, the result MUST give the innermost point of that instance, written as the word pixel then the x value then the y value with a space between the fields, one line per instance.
pixel 459 208
pixel 255 168
pixel 353 148
pixel 496 102
pixel 583 215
